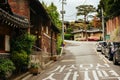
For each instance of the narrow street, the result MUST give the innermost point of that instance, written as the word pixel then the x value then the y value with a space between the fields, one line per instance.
pixel 59 40
pixel 81 62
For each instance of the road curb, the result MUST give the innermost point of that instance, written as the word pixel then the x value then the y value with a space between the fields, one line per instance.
pixel 27 75
pixel 22 76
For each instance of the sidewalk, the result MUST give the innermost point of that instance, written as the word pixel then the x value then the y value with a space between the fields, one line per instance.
pixel 27 75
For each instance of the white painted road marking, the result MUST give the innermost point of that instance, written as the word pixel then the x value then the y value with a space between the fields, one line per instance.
pixel 59 67
pixel 104 72
pixel 86 76
pixel 113 73
pixel 95 75
pixel 67 75
pixel 75 75
pixel 90 72
pixel 100 73
pixel 50 77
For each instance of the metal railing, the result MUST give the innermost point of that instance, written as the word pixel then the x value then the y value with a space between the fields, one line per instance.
pixel 36 48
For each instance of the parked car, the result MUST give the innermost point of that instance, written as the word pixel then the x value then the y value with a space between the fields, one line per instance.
pixel 98 47
pixel 108 53
pixel 101 46
pixel 116 56
pixel 111 49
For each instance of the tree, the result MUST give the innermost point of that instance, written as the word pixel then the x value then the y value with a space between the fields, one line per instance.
pixel 111 8
pixel 54 15
pixel 84 10
pixel 96 22
pixel 52 11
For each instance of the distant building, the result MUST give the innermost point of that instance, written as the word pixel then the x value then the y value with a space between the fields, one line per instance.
pixel 90 35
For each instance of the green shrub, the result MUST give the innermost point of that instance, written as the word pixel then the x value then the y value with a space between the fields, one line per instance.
pixel 23 42
pixel 6 66
pixel 34 65
pixel 20 59
pixel 68 36
pixel 21 48
pixel 59 43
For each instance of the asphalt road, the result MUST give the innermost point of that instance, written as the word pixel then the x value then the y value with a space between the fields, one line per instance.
pixel 81 62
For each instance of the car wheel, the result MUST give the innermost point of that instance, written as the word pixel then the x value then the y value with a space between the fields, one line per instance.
pixel 102 52
pixel 114 60
pixel 110 57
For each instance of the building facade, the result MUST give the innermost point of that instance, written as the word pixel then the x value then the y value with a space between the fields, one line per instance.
pixel 31 16
pixel 10 26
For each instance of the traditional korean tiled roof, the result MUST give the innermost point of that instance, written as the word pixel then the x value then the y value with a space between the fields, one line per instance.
pixel 88 31
pixel 13 20
pixel 40 10
pixel 55 28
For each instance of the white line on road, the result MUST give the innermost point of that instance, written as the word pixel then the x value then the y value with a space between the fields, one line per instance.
pixel 50 77
pixel 75 75
pixel 99 74
pixel 86 76
pixel 104 72
pixel 103 57
pixel 111 78
pixel 113 73
pixel 95 75
pixel 67 75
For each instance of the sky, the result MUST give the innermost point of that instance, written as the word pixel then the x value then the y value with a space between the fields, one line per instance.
pixel 70 7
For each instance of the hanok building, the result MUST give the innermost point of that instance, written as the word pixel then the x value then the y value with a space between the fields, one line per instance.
pixel 90 35
pixel 10 26
pixel 40 24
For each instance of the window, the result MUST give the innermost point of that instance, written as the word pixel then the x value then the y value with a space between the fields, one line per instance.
pixel 7 43
pixel 2 43
pixel 47 29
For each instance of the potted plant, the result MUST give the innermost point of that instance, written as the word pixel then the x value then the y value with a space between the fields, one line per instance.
pixel 34 68
pixel 54 57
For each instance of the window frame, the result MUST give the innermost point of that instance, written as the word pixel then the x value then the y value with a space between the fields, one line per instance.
pixel 2 43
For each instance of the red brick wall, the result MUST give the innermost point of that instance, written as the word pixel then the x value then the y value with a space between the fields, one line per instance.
pixel 46 42
pixel 112 24
pixel 54 47
pixel 20 7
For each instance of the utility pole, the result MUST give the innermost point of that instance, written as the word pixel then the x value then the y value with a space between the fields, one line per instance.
pixel 103 27
pixel 86 36
pixel 63 12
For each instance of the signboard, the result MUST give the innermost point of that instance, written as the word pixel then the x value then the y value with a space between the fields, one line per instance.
pixel 107 37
